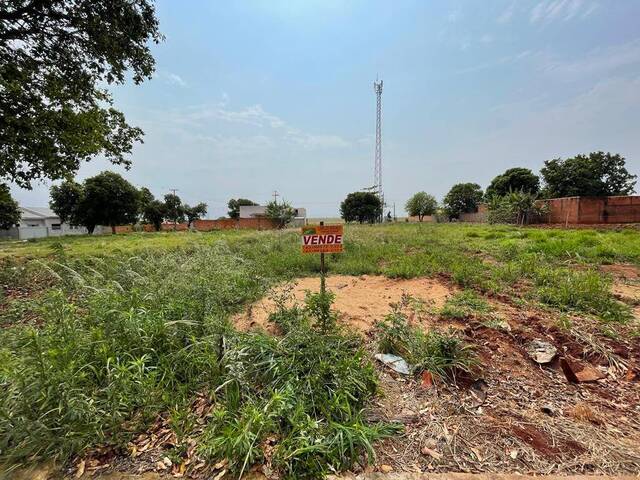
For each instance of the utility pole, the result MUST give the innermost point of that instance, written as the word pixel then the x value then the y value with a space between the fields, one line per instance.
pixel 377 88
pixel 275 196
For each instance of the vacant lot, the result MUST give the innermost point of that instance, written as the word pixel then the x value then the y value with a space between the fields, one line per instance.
pixel 202 354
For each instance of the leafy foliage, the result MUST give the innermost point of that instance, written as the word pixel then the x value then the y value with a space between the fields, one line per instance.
pixel 105 199
pixel 442 354
pixel 361 207
pixel 65 199
pixel 516 179
pixel 421 204
pixel 597 174
pixel 173 208
pixel 282 213
pixel 195 212
pixel 122 341
pixel 9 211
pixel 520 208
pixel 55 57
pixel 154 213
pixel 462 198
pixel 235 204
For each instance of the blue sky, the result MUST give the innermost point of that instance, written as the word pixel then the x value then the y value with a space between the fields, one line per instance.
pixel 255 96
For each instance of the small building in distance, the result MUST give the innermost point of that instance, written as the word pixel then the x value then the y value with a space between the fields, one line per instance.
pixel 260 211
pixel 40 222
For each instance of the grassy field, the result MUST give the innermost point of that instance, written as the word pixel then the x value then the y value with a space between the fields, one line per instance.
pixel 100 336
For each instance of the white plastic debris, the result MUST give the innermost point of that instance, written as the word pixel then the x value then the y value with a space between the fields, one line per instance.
pixel 396 363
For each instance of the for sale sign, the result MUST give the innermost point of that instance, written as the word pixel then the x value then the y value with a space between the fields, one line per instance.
pixel 322 239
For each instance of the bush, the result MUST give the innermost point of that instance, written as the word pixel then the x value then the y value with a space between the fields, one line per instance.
pixel 123 342
pixel 518 208
pixel 442 354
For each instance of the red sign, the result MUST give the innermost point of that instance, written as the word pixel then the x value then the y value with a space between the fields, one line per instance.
pixel 322 239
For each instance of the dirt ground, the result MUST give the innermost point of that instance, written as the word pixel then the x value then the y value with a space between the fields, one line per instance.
pixel 361 301
pixel 512 415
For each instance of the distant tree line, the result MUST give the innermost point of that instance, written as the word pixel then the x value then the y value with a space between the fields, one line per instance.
pixel 511 196
pixel 108 199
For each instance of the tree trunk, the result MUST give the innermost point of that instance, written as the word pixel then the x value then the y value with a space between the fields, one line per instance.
pixel 113 229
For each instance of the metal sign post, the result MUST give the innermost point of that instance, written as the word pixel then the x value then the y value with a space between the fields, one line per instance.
pixel 322 239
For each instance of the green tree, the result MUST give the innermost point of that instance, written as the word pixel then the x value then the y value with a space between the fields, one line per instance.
pixel 173 208
pixel 235 204
pixel 421 204
pixel 361 207
pixel 145 197
pixel 517 207
pixel 108 199
pixel 515 179
pixel 9 210
pixel 154 213
pixel 281 212
pixel 598 174
pixel 195 212
pixel 65 199
pixel 462 198
pixel 57 58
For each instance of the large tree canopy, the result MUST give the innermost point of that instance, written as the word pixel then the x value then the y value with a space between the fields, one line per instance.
pixel 281 212
pixel 462 198
pixel 515 179
pixel 106 199
pixel 235 204
pixel 361 207
pixel 598 174
pixel 65 199
pixel 421 204
pixel 9 211
pixel 195 212
pixel 56 56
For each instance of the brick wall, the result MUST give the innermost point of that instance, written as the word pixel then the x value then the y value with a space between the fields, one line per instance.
pixel 208 225
pixel 594 210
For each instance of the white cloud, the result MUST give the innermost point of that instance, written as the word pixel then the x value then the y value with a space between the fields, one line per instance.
pixel 600 60
pixel 271 130
pixel 548 11
pixel 175 79
pixel 507 14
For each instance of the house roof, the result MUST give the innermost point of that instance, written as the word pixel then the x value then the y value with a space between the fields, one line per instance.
pixel 37 213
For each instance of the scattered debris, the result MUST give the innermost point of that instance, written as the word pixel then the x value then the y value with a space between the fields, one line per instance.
pixel 541 351
pixel 478 391
pixel 431 453
pixel 426 379
pixel 396 363
pixel 576 373
pixel 386 468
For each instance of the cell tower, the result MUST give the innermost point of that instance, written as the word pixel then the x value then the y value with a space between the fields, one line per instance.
pixel 377 88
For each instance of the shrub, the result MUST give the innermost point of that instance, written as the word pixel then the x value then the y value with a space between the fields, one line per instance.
pixel 441 353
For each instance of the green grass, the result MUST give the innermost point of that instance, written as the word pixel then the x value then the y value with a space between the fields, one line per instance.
pixel 100 335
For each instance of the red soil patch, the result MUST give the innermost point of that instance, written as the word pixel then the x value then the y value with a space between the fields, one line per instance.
pixel 361 301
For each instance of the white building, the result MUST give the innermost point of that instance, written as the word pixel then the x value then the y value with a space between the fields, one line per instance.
pixel 254 211
pixel 40 222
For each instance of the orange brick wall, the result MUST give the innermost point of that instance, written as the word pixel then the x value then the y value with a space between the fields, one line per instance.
pixel 593 210
pixel 208 225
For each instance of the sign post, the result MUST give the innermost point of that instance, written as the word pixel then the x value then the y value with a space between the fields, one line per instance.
pixel 322 239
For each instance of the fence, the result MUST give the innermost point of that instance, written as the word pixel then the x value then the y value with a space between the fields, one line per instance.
pixel 209 225
pixel 594 210
pixel 579 211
